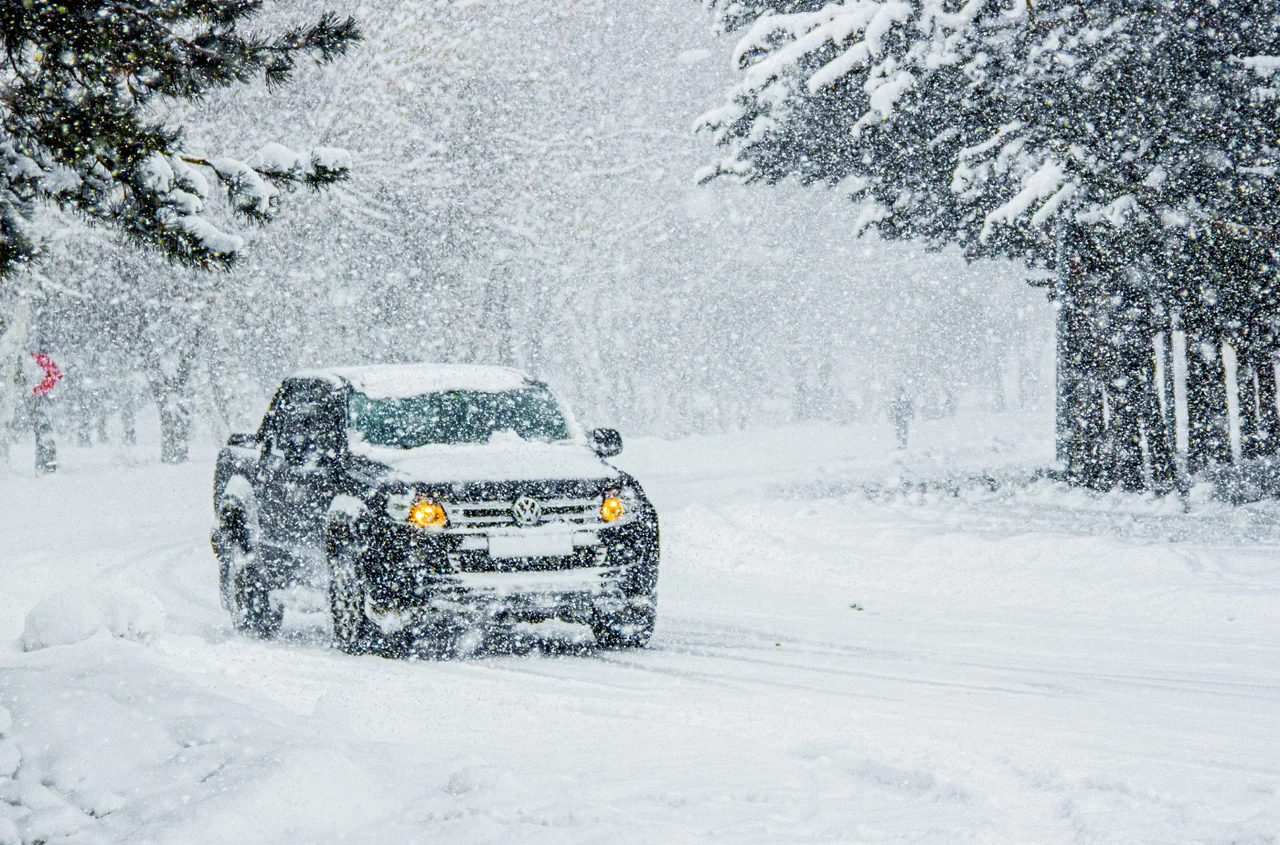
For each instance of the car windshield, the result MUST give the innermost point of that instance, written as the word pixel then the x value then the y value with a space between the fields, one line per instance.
pixel 457 416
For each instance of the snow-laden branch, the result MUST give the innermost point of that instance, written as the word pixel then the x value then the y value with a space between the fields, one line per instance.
pixel 882 47
pixel 171 191
pixel 1046 183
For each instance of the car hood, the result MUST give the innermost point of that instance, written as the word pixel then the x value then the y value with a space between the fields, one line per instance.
pixel 494 461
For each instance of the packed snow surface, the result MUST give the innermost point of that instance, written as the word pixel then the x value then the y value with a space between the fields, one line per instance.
pixel 853 645
pixel 386 381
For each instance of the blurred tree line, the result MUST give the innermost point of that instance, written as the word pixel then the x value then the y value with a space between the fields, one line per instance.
pixel 508 205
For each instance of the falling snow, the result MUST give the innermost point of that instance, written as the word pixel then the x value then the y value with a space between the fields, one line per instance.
pixel 941 335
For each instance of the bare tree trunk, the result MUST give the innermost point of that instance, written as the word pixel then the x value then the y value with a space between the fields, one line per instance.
pixel 1135 413
pixel 1159 422
pixel 1138 432
pixel 215 401
pixel 802 399
pixel 1208 435
pixel 100 420
pixel 1247 404
pixel 46 446
pixel 1165 390
pixel 995 371
pixel 169 389
pixel 1081 417
pixel 13 342
pixel 1029 358
pixel 1268 440
pixel 1124 434
pixel 82 417
pixel 175 427
pixel 1066 377
pixel 825 392
pixel 1161 430
pixel 1169 408
pixel 1256 380
pixel 129 419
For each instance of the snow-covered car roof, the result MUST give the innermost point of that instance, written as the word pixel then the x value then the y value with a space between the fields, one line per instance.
pixel 382 381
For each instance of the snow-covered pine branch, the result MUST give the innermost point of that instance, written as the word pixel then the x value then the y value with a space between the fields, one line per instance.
pixel 859 56
pixel 166 196
pixel 1130 146
pixel 985 122
pixel 918 99
pixel 78 131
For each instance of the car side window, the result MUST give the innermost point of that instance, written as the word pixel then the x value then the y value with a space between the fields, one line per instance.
pixel 305 423
pixel 328 423
pixel 268 430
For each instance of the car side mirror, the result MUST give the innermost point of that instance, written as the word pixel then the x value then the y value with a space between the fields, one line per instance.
pixel 242 439
pixel 607 442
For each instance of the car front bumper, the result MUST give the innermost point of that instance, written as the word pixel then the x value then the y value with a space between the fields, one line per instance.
pixel 487 598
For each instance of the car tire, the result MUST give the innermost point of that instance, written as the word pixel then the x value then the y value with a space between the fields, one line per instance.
pixel 244 586
pixel 226 575
pixel 628 628
pixel 228 548
pixel 353 631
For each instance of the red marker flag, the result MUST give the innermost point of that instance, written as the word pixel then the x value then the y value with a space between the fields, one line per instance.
pixel 52 375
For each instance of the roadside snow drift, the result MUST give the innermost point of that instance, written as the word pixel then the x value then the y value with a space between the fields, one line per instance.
pixel 74 615
pixel 854 644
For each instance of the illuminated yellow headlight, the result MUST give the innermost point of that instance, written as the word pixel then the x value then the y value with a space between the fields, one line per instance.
pixel 427 514
pixel 611 508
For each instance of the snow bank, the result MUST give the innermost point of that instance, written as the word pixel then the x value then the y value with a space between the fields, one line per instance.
pixel 10 759
pixel 71 616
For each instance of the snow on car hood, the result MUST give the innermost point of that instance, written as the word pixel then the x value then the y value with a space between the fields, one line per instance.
pixel 497 460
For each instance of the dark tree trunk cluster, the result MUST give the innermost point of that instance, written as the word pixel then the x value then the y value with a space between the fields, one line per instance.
pixel 1259 417
pixel 1208 416
pixel 1116 426
pixel 1126 329
pixel 1117 414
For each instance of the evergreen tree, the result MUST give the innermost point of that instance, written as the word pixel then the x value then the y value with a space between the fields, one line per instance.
pixel 1099 139
pixel 81 128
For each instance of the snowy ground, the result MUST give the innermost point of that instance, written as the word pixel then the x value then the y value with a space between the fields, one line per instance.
pixel 853 646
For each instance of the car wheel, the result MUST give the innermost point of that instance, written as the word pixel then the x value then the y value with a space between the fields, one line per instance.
pixel 628 628
pixel 226 580
pixel 228 547
pixel 246 590
pixel 353 631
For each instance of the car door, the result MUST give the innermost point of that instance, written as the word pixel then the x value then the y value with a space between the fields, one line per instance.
pixel 270 482
pixel 298 467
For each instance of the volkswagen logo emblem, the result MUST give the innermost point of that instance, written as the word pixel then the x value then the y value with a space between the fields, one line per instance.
pixel 527 512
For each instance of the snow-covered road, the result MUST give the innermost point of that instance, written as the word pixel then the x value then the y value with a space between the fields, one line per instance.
pixel 840 657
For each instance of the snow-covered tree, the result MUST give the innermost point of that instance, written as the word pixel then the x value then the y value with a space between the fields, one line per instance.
pixel 514 207
pixel 88 96
pixel 1097 139
pixel 84 91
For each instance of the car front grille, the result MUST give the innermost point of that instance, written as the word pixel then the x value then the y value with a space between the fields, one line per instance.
pixel 478 561
pixel 473 517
